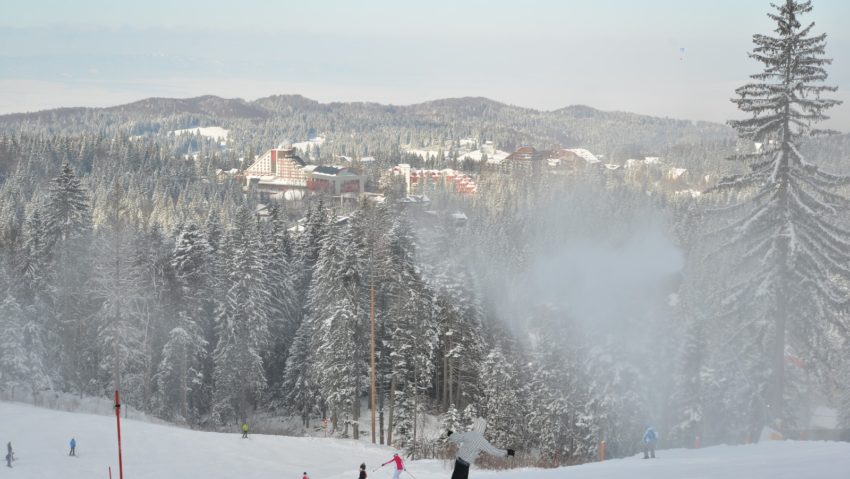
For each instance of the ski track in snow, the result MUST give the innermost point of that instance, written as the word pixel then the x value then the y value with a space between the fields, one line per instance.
pixel 40 439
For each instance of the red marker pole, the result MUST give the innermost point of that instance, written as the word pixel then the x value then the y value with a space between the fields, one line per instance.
pixel 602 451
pixel 118 421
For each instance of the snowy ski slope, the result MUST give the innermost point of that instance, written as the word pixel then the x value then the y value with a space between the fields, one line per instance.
pixel 40 438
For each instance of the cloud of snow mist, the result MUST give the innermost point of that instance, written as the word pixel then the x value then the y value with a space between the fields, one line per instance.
pixel 603 285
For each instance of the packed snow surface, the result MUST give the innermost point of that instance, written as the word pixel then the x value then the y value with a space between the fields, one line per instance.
pixel 40 439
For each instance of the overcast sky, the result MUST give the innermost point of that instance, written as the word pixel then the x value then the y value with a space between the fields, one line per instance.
pixel 608 54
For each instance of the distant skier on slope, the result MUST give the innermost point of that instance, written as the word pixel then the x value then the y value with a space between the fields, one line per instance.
pixel 362 471
pixel 9 450
pixel 399 465
pixel 650 438
pixel 244 430
pixel 73 445
pixel 471 444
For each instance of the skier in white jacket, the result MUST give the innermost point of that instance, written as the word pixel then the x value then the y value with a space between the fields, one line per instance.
pixel 471 444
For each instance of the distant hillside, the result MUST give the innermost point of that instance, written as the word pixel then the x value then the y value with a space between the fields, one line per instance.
pixel 208 105
pixel 356 129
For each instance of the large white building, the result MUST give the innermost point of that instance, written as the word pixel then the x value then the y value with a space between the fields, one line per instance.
pixel 278 166
pixel 281 170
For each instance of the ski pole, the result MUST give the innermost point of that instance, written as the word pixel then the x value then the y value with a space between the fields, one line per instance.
pixel 411 475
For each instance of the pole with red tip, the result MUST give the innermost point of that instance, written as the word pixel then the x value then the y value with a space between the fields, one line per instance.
pixel 118 422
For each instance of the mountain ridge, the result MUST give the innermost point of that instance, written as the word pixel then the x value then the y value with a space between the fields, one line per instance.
pixel 216 106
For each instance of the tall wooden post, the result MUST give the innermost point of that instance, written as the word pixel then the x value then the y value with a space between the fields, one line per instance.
pixel 118 422
pixel 372 325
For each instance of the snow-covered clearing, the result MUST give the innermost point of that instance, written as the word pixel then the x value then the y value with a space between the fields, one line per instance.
pixel 314 142
pixel 40 439
pixel 214 132
pixel 496 157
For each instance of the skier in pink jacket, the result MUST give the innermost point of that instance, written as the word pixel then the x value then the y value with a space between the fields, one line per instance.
pixel 399 465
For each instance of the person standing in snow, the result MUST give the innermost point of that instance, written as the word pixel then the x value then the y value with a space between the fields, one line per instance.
pixel 8 459
pixel 399 465
pixel 9 450
pixel 244 430
pixel 73 445
pixel 650 438
pixel 362 471
pixel 471 444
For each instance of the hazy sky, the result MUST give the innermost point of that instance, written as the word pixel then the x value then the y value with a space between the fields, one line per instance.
pixel 609 54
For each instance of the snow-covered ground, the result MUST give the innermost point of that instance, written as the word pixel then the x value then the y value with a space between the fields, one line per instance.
pixel 303 145
pixel 40 439
pixel 496 157
pixel 214 132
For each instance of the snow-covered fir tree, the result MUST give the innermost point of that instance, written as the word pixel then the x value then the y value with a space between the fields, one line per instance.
pixel 67 229
pixel 786 228
pixel 14 367
pixel 242 326
pixel 339 347
pixel 283 305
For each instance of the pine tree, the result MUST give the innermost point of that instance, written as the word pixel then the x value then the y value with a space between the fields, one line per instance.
pixel 340 345
pixel 68 210
pixel 451 421
pixel 467 416
pixel 14 369
pixel 179 371
pixel 242 325
pixel 116 286
pixel 67 229
pixel 300 390
pixel 413 340
pixel 282 305
pixel 156 305
pixel 501 404
pixel 787 226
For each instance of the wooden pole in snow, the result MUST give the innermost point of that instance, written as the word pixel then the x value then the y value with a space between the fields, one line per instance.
pixel 372 325
pixel 118 422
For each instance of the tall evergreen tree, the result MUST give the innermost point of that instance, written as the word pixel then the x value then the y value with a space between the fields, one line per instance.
pixel 13 354
pixel 67 229
pixel 787 224
pixel 242 325
pixel 338 345
pixel 282 304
